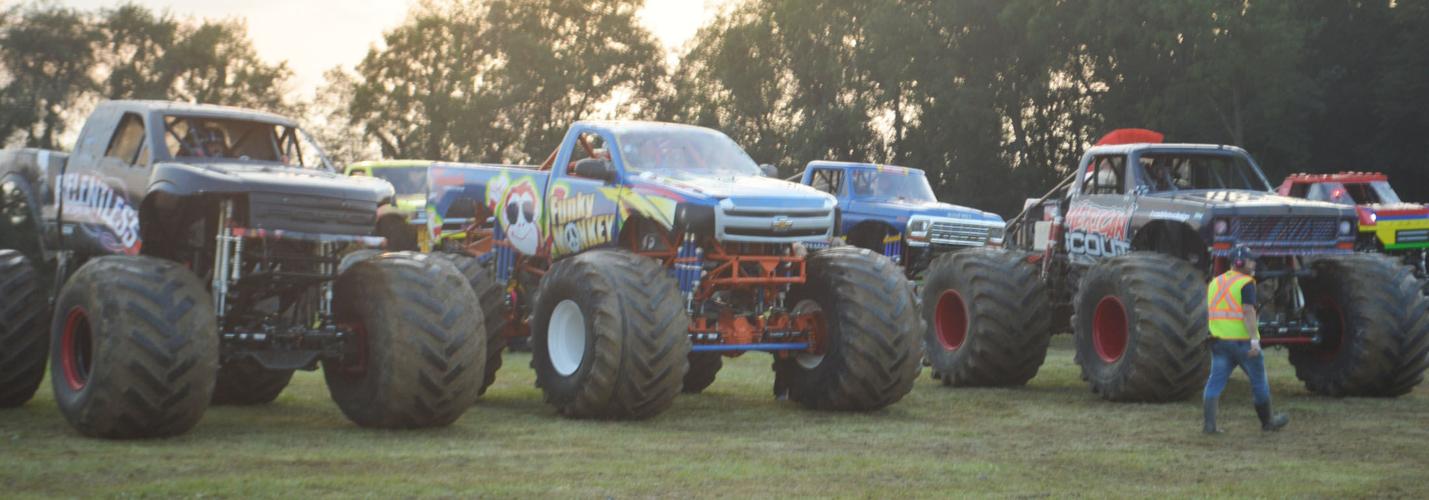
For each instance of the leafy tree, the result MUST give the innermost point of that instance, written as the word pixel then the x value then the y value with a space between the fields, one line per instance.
pixel 47 53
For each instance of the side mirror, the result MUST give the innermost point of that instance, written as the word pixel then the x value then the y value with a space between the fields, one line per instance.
pixel 595 168
pixel 769 170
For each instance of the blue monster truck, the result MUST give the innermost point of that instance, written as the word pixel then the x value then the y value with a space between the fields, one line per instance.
pixel 892 210
pixel 640 253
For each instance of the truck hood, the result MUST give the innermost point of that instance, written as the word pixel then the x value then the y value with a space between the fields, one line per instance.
pixel 753 190
pixel 246 177
pixel 933 209
pixel 1246 202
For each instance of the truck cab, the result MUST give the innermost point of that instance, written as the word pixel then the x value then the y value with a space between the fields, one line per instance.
pixel 1386 224
pixel 893 210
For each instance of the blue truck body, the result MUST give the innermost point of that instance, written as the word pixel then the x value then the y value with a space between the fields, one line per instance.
pixel 894 211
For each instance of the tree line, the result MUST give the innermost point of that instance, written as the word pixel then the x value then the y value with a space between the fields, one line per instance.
pixel 996 99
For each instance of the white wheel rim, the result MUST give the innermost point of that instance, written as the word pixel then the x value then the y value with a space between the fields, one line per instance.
pixel 565 338
pixel 808 360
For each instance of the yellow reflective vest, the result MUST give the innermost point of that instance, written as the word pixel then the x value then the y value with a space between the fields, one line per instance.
pixel 1227 314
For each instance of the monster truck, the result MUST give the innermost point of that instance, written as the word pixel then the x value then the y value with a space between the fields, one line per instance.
pixel 641 253
pixel 892 210
pixel 402 222
pixel 1386 224
pixel 1123 250
pixel 193 254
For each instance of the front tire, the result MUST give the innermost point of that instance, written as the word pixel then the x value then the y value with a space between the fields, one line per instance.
pixel 704 366
pixel 1375 326
pixel 1140 326
pixel 610 337
pixel 988 316
pixel 871 353
pixel 491 297
pixel 23 339
pixel 134 344
pixel 244 382
pixel 419 343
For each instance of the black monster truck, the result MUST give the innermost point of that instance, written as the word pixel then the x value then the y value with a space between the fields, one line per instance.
pixel 1123 250
pixel 193 255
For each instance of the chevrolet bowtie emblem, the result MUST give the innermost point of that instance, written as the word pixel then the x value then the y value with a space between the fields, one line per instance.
pixel 781 224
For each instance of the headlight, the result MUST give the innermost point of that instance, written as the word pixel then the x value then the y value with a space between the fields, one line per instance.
pixel 918 226
pixel 995 233
pixel 1220 226
pixel 1345 227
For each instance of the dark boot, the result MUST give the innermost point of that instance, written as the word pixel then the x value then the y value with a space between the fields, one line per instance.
pixel 1270 422
pixel 1211 405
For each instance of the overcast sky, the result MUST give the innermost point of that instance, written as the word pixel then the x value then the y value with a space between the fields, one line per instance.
pixel 315 35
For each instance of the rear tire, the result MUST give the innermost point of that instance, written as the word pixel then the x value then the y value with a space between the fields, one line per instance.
pixel 1140 326
pixel 492 298
pixel 610 336
pixel 872 354
pixel 244 382
pixel 704 366
pixel 420 344
pixel 134 344
pixel 23 339
pixel 988 316
pixel 1375 324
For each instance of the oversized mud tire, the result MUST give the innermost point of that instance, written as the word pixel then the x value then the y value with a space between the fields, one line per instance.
pixel 609 337
pixel 988 317
pixel 24 342
pixel 1140 326
pixel 244 382
pixel 704 366
pixel 1375 326
pixel 492 298
pixel 872 353
pixel 420 345
pixel 134 348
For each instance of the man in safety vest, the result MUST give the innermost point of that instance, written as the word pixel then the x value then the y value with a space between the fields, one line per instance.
pixel 1235 340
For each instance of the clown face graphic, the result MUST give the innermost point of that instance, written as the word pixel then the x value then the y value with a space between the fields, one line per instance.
pixel 519 213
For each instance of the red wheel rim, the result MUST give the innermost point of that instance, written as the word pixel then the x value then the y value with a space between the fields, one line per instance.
pixel 76 349
pixel 1109 329
pixel 950 320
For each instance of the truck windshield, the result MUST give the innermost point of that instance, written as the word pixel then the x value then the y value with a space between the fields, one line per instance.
pixel 215 138
pixel 1353 193
pixel 405 180
pixel 890 185
pixel 685 150
pixel 1181 172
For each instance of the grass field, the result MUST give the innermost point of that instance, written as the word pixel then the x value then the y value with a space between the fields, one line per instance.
pixel 1052 438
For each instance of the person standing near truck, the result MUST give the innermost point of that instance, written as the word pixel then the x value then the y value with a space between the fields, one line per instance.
pixel 1235 341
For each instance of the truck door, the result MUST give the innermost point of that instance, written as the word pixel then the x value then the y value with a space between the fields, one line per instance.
pixel 1100 211
pixel 583 198
pixel 103 183
pixel 831 180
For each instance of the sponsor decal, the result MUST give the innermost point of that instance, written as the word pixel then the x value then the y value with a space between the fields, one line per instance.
pixel 578 221
pixel 517 206
pixel 90 201
pixel 1094 231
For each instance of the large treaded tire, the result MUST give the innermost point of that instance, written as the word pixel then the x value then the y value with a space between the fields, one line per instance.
pixel 134 348
pixel 1377 302
pixel 704 367
pixel 988 317
pixel 23 339
pixel 1156 305
pixel 244 382
pixel 420 347
pixel 872 353
pixel 492 297
pixel 634 330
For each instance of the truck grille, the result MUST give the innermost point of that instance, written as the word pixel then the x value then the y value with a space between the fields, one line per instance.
pixel 311 214
pixel 772 224
pixel 953 233
pixel 1284 229
pixel 1412 236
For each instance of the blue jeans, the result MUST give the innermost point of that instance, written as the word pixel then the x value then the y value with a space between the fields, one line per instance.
pixel 1226 355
